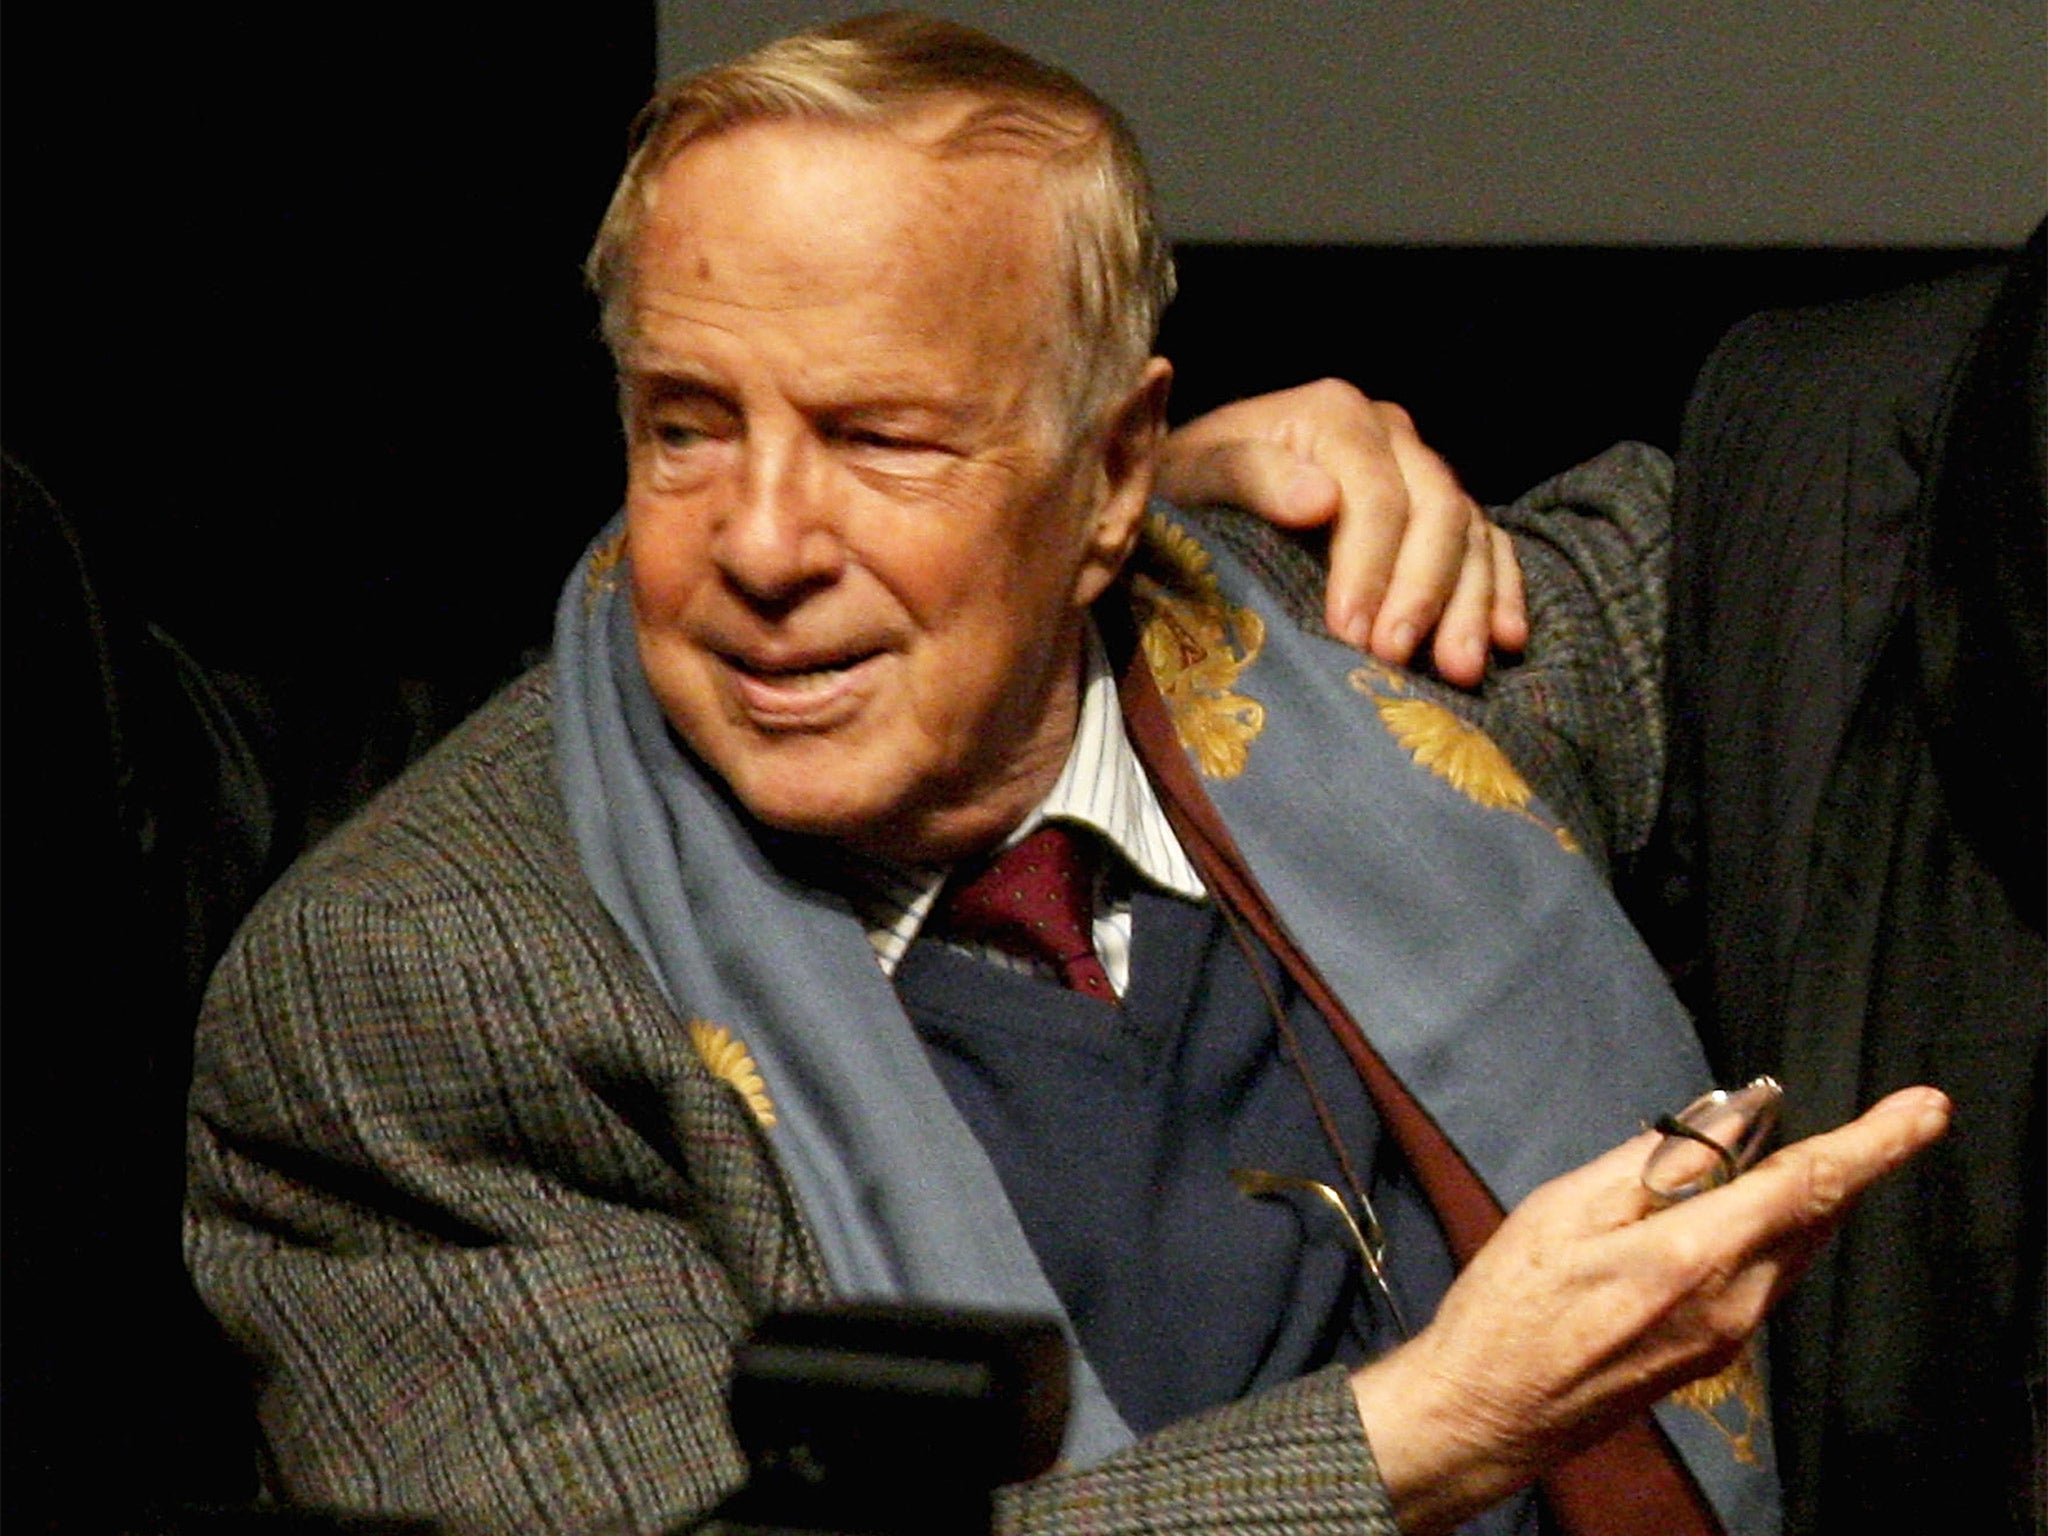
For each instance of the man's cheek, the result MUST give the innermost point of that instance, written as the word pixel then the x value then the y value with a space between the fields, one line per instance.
pixel 660 583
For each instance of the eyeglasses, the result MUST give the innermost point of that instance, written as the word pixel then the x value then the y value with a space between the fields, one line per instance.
pixel 1370 1240
pixel 1711 1140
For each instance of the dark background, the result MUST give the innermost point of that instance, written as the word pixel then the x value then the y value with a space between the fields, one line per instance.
pixel 1515 361
pixel 292 307
pixel 294 334
pixel 294 328
pixel 295 338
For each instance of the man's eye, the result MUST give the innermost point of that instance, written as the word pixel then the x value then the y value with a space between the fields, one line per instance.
pixel 676 434
pixel 888 445
pixel 869 437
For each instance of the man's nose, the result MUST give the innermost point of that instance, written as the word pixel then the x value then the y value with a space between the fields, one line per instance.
pixel 780 536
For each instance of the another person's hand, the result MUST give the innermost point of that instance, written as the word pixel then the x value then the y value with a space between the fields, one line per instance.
pixel 1409 550
pixel 1588 1305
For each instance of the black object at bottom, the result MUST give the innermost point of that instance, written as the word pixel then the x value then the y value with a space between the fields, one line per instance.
pixel 876 1419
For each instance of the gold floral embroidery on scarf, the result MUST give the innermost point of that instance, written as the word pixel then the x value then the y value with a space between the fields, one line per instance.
pixel 727 1060
pixel 1732 1401
pixel 602 573
pixel 1460 754
pixel 1197 645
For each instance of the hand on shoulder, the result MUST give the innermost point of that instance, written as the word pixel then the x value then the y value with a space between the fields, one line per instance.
pixel 1409 550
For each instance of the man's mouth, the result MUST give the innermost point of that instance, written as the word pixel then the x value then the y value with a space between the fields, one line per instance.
pixel 809 694
pixel 798 681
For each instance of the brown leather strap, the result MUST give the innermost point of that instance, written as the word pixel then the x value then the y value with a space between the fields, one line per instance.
pixel 1630 1484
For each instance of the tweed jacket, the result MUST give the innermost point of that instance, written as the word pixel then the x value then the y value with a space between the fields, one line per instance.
pixel 488 1228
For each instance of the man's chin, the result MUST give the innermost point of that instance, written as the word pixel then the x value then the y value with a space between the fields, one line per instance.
pixel 894 831
pixel 873 798
pixel 811 806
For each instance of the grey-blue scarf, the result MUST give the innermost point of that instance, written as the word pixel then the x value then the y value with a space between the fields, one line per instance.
pixel 1485 960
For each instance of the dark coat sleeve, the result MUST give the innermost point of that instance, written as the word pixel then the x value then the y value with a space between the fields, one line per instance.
pixel 1853 856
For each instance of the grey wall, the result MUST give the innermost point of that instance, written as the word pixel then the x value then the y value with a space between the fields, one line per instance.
pixel 1841 122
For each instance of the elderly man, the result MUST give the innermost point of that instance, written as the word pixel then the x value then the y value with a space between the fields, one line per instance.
pixel 689 978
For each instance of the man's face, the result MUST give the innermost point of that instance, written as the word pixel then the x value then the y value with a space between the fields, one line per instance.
pixel 862 542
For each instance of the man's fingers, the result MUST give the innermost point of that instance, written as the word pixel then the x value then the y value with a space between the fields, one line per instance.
pixel 1827 1172
pixel 1510 618
pixel 1409 551
pixel 1586 1304
pixel 1487 608
pixel 1320 454
pixel 1785 1206
pixel 1464 631
pixel 1804 1187
pixel 1436 578
pixel 1278 482
pixel 1432 568
pixel 1363 546
pixel 1263 477
pixel 1597 1197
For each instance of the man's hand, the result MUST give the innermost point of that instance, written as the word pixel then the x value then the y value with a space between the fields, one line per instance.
pixel 1409 550
pixel 1588 1305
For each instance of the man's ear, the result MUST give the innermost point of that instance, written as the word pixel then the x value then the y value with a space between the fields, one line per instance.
pixel 1130 454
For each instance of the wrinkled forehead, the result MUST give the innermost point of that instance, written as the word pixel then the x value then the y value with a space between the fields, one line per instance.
pixel 800 215
pixel 832 173
pixel 947 167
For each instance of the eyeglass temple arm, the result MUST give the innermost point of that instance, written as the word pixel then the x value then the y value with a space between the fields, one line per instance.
pixel 1258 1182
pixel 1671 1125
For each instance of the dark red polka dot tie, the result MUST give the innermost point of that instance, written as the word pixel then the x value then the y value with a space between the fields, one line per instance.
pixel 1036 900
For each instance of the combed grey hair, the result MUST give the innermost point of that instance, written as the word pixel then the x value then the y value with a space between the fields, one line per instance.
pixel 875 70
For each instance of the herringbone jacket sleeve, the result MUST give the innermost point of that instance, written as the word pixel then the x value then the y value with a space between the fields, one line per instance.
pixel 488 1230
pixel 459 1186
